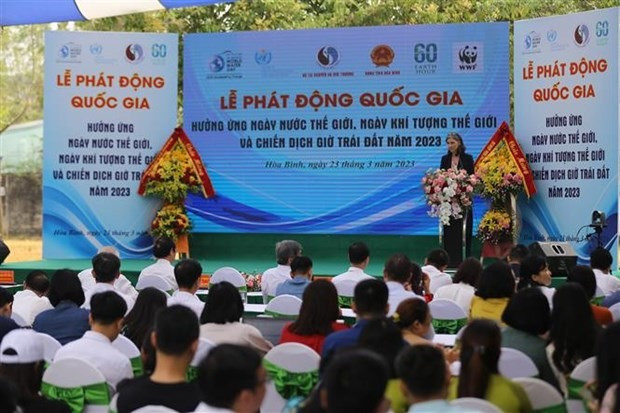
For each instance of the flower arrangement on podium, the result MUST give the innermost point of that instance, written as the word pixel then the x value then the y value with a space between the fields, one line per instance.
pixel 448 193
pixel 252 281
pixel 176 171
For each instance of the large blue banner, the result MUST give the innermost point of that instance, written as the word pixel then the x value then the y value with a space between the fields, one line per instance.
pixel 566 120
pixel 110 103
pixel 331 131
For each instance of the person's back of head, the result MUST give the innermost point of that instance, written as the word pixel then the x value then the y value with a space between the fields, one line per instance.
pixel 397 268
pixel 301 266
pixel 370 298
pixel 528 311
pixel 355 381
pixel 496 281
pixel 6 302
pixel 423 371
pixel 187 273
pixel 468 272
pixel 529 268
pixel 319 309
pixel 518 253
pixel 608 360
pixel 287 250
pixel 584 276
pixel 232 377
pixel 38 282
pixel 383 337
pixel 358 253
pixel 163 247
pixel 413 314
pixel 224 304
pixel 106 267
pixel 176 332
pixel 65 286
pixel 107 308
pixel 601 259
pixel 438 258
pixel 480 351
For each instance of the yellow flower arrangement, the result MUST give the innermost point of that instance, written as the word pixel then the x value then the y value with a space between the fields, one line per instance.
pixel 495 226
pixel 171 221
pixel 173 177
pixel 499 175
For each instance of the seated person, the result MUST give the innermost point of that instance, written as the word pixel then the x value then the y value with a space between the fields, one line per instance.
pixel 463 287
pixel 32 300
pixel 164 251
pixel 187 274
pixel 584 276
pixel 515 257
pixel 106 269
pixel 495 288
pixel 601 261
pixel 435 266
pixel 121 284
pixel 285 252
pixel 414 319
pixel 397 273
pixel 359 257
pixel 534 272
pixel 6 307
pixel 301 277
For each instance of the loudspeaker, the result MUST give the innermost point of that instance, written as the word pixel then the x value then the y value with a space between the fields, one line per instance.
pixel 4 251
pixel 560 256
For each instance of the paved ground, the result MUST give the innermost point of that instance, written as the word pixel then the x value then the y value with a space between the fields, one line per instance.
pixel 24 249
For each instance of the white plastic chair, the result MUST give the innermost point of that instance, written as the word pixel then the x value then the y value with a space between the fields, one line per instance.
pixel 21 321
pixel 514 363
pixel 438 282
pixel 599 295
pixel 50 346
pixel 72 373
pixel 542 395
pixel 229 274
pixel 615 311
pixel 153 281
pixel 129 349
pixel 292 357
pixel 444 309
pixel 583 373
pixel 472 404
pixel 204 346
pixel 345 291
pixel 285 305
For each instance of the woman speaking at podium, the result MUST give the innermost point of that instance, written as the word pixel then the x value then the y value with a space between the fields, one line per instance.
pixel 456 158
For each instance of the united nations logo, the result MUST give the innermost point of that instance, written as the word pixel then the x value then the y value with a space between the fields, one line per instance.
pixel 382 55
pixel 262 57
pixel 328 56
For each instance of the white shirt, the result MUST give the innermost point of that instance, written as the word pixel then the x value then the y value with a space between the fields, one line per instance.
pixel 99 351
pixel 548 292
pixel 205 408
pixel 103 287
pixel 188 300
pixel 236 333
pixel 606 282
pixel 460 293
pixel 398 294
pixel 28 304
pixel 272 278
pixel 122 284
pixel 438 279
pixel 353 273
pixel 161 268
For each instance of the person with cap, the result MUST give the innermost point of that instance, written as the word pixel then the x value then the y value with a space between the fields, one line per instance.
pixel 21 363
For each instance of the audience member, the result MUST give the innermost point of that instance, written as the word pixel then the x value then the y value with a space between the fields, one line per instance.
pixel 141 319
pixel 187 275
pixel 479 376
pixel 31 301
pixel 8 398
pixel 435 264
pixel 122 284
pixel 495 287
pixel 221 319
pixel 6 304
pixel 608 369
pixel 164 252
pixel 584 276
pixel 355 381
pixel 285 252
pixel 232 379
pixel 175 339
pixel 301 276
pixel 573 331
pixel 106 269
pixel 21 363
pixel 397 272
pixel 359 257
pixel 535 272
pixel 317 317
pixel 425 377
pixel 419 282
pixel 516 255
pixel 611 299
pixel 106 317
pixel 414 319
pixel 528 320
pixel 66 322
pixel 370 301
pixel 600 261
pixel 463 288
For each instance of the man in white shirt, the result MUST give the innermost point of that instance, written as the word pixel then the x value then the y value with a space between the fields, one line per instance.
pixel 359 257
pixel 285 252
pixel 106 269
pixel 187 273
pixel 396 273
pixel 122 284
pixel 600 261
pixel 31 301
pixel 164 251
pixel 434 266
pixel 106 317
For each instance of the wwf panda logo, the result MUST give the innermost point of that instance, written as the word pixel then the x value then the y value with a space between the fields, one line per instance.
pixel 468 54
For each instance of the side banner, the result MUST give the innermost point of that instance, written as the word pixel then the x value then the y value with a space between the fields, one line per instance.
pixel 330 131
pixel 566 119
pixel 110 103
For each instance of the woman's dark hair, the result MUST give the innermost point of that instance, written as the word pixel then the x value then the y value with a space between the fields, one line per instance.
pixel 530 266
pixel 480 349
pixel 416 279
pixel 496 281
pixel 573 329
pixel 528 310
pixel 65 286
pixel 319 309
pixel 148 354
pixel 26 379
pixel 224 304
pixel 608 360
pixel 584 276
pixel 457 137
pixel 383 337
pixel 141 319
pixel 468 272
pixel 411 310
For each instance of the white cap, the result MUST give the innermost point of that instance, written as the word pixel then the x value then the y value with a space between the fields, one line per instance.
pixel 23 345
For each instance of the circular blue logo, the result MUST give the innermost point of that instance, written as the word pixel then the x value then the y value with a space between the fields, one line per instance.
pixel 134 53
pixel 581 35
pixel 552 35
pixel 216 64
pixel 327 56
